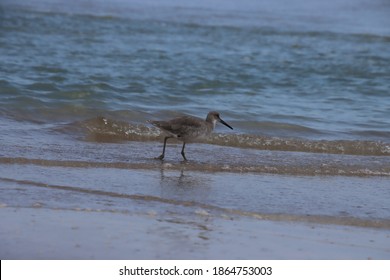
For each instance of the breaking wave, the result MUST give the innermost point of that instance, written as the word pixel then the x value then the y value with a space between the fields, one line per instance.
pixel 105 130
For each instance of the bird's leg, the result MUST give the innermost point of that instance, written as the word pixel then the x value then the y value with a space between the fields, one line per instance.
pixel 182 151
pixel 163 152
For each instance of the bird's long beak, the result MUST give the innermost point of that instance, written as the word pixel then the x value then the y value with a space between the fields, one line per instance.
pixel 225 123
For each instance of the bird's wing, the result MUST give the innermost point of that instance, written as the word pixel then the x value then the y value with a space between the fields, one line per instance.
pixel 186 122
pixel 178 126
pixel 185 126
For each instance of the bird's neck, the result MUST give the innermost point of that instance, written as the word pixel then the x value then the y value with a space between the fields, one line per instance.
pixel 214 122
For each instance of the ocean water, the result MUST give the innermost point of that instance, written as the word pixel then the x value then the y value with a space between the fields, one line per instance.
pixel 300 77
pixel 304 84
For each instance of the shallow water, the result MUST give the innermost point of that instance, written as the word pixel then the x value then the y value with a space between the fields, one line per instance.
pixel 305 86
pixel 322 79
pixel 336 201
pixel 321 188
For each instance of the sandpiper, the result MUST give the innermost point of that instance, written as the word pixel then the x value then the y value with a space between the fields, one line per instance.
pixel 187 129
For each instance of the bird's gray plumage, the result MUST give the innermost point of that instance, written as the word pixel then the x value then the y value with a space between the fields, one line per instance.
pixel 188 128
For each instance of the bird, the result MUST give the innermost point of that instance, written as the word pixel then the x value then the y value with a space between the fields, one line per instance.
pixel 187 129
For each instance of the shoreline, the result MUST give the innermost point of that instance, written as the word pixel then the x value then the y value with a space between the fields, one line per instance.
pixel 39 233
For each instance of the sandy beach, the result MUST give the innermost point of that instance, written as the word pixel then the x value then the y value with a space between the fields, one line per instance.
pixel 106 213
pixel 114 201
pixel 36 233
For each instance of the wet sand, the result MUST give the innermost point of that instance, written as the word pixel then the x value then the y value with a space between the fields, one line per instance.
pixel 63 212
pixel 62 198
pixel 36 233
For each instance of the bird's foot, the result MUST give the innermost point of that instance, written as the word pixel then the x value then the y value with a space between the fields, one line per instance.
pixel 184 157
pixel 161 157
